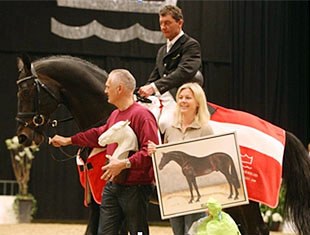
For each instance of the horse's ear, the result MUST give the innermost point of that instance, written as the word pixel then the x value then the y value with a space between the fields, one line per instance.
pixel 24 63
pixel 20 64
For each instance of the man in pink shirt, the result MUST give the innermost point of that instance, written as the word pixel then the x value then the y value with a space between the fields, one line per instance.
pixel 126 194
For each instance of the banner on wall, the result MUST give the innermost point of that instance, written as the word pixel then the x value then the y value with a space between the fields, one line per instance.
pixel 127 28
pixel 95 28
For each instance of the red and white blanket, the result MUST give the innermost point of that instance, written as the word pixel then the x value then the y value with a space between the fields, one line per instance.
pixel 261 148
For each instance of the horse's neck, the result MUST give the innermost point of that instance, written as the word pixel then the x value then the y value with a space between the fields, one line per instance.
pixel 121 152
pixel 179 159
pixel 81 97
pixel 83 106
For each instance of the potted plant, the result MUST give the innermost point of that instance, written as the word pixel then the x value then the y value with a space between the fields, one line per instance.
pixel 273 217
pixel 21 159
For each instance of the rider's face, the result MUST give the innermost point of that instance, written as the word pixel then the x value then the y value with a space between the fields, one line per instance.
pixel 187 102
pixel 169 26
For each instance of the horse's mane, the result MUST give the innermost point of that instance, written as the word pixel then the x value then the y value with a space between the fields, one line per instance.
pixel 74 61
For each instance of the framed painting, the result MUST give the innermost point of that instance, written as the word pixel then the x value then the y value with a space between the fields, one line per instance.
pixel 188 173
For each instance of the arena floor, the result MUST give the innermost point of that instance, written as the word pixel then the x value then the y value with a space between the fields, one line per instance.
pixel 71 229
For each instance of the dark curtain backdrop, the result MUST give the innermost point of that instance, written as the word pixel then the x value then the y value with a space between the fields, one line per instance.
pixel 270 65
pixel 255 58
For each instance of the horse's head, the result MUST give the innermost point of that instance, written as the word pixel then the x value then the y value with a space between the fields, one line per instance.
pixel 114 134
pixel 164 160
pixel 176 156
pixel 36 102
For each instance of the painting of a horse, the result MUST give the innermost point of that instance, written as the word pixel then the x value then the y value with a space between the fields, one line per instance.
pixel 79 85
pixel 193 167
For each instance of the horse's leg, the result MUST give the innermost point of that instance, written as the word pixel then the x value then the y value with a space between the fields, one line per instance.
pixel 231 177
pixel 93 218
pixel 227 176
pixel 248 218
pixel 189 181
pixel 196 188
pixel 236 192
pixel 234 178
pixel 230 190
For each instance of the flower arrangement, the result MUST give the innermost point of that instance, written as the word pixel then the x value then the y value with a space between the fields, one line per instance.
pixel 273 217
pixel 21 158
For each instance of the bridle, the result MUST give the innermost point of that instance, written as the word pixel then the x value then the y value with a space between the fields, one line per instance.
pixel 36 117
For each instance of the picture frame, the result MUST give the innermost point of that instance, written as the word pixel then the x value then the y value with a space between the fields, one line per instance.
pixel 214 161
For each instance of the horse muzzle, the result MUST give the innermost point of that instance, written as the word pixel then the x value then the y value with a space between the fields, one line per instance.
pixel 27 136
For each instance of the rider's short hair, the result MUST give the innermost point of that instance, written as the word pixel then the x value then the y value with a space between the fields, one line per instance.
pixel 172 10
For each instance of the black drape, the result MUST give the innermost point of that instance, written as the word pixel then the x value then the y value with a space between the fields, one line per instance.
pixel 271 62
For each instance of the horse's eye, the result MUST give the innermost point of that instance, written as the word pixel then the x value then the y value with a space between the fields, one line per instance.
pixel 25 93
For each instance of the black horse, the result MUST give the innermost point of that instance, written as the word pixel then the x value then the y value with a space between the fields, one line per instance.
pixel 193 166
pixel 79 85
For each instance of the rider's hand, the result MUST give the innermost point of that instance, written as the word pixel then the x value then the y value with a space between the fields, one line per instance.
pixel 58 141
pixel 146 91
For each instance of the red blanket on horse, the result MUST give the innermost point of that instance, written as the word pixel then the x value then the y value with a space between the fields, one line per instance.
pixel 90 173
pixel 261 148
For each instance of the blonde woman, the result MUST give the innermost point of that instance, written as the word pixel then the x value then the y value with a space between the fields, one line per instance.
pixel 191 119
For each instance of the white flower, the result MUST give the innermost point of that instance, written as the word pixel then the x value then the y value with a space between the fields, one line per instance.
pixel 28 153
pixel 276 217
pixel 268 213
pixel 266 218
pixel 15 140
pixel 17 157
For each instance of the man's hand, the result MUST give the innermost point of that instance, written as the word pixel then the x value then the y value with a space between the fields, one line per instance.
pixel 151 148
pixel 111 170
pixel 146 91
pixel 58 141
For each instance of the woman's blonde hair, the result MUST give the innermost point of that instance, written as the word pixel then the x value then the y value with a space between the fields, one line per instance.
pixel 202 115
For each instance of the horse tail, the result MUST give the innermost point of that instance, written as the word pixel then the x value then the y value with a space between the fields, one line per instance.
pixel 234 174
pixel 296 180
